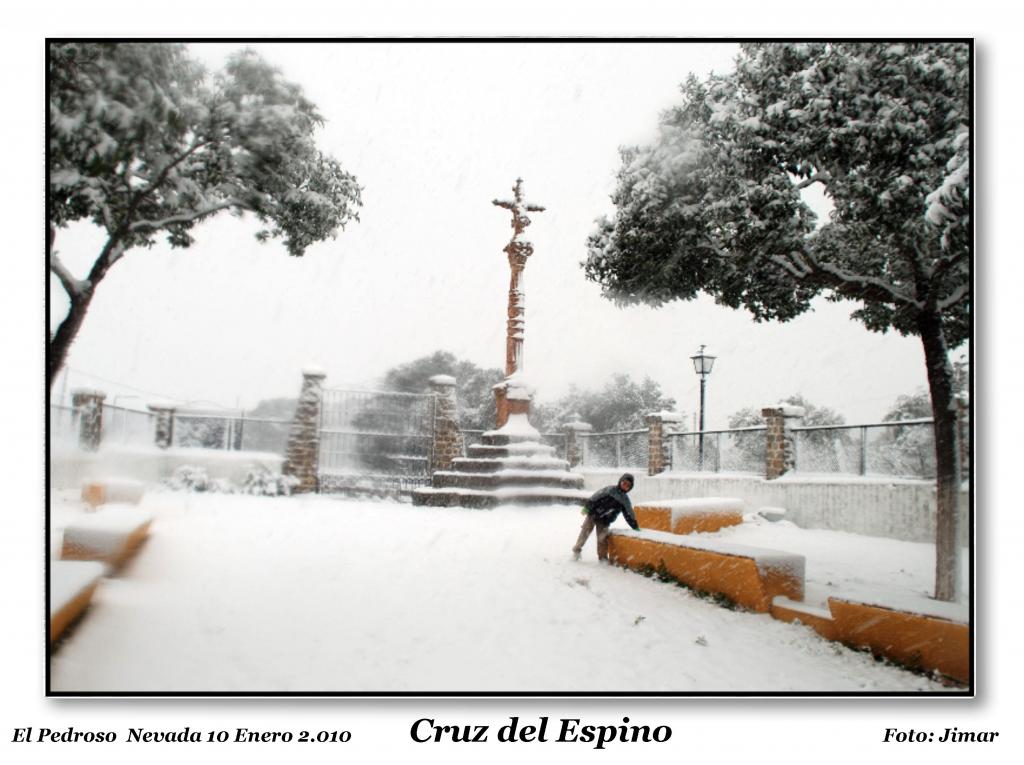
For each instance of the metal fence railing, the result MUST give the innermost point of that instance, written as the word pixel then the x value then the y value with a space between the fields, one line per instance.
pixel 900 449
pixel 375 436
pixel 63 425
pixel 231 432
pixel 740 450
pixel 618 449
pixel 128 427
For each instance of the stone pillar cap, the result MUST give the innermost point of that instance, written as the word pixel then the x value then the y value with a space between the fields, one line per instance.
pixel 161 405
pixel 786 410
pixel 313 370
pixel 88 393
pixel 578 425
pixel 443 380
pixel 666 416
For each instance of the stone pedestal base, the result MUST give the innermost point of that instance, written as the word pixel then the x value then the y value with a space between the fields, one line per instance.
pixel 509 399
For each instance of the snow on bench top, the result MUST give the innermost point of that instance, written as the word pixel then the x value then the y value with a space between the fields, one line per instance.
pixel 763 558
pixel 68 578
pixel 804 608
pixel 112 518
pixel 914 604
pixel 695 506
pixel 105 530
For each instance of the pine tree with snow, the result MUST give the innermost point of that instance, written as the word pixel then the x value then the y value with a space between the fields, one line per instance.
pixel 144 143
pixel 716 205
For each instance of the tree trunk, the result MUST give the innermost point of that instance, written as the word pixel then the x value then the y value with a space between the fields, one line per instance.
pixel 947 457
pixel 61 341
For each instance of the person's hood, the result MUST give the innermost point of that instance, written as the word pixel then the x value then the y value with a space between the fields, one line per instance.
pixel 627 477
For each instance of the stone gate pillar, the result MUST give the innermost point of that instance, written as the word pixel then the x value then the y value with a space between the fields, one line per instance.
pixel 658 459
pixel 302 457
pixel 573 440
pixel 780 445
pixel 164 429
pixel 447 440
pixel 88 406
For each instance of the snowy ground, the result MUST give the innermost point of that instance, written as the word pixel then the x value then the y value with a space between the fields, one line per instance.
pixel 239 593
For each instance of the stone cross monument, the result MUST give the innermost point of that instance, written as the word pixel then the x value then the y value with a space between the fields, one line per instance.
pixel 511 396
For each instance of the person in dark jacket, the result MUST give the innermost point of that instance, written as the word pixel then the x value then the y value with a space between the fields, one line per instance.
pixel 601 510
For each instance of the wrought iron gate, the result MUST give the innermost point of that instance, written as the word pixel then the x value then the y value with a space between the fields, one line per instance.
pixel 375 442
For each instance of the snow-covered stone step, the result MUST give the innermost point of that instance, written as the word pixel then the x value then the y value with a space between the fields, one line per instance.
pixel 538 478
pixel 510 495
pixel 749 576
pixel 72 584
pixel 688 516
pixel 112 534
pixel 494 464
pixel 110 490
pixel 525 449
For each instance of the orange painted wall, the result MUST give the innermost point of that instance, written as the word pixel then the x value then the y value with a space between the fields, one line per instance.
pixel 733 576
pixel 914 640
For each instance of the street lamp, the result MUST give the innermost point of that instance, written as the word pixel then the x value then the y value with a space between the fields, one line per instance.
pixel 702 364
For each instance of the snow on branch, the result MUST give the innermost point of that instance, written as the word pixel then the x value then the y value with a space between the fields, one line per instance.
pixel 151 225
pixel 74 287
pixel 868 286
pixel 823 178
pixel 955 297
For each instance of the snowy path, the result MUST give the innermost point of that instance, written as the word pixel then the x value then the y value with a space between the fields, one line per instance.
pixel 235 593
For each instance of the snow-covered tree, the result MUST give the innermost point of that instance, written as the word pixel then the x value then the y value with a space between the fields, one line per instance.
pixel 620 405
pixel 474 394
pixel 816 446
pixel 145 144
pixel 717 205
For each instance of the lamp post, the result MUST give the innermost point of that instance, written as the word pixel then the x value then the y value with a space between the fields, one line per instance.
pixel 702 364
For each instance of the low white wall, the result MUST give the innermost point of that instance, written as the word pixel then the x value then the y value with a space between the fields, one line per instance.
pixel 898 509
pixel 69 468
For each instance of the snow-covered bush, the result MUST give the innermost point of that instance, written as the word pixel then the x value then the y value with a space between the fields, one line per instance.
pixel 190 478
pixel 264 482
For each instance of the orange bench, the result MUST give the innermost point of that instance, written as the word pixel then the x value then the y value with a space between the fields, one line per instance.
pixel 112 535
pixel 72 584
pixel 748 576
pixel 689 516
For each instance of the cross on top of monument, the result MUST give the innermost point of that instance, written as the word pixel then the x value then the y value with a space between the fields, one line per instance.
pixel 519 208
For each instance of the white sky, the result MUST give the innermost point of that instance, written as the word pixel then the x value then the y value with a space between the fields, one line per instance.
pixel 434 132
